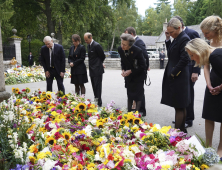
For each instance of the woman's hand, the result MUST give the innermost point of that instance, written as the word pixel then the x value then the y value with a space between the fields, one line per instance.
pixel 215 90
pixel 71 64
pixel 127 73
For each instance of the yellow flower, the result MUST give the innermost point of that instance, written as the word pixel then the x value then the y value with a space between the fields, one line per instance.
pixel 165 129
pixel 99 124
pixel 33 149
pixel 48 153
pixel 127 160
pixel 122 121
pixel 73 149
pixel 91 165
pixel 66 135
pixel 204 166
pixel 165 167
pixel 81 106
pixel 48 96
pixel 27 90
pixel 41 155
pixel 79 167
pixel 16 90
pixel 13 90
pixel 90 153
pixel 50 140
pixel 106 162
pixel 181 161
pixel 32 159
pixel 136 121
pixel 130 119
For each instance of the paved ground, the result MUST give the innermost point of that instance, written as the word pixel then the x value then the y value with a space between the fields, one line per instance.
pixel 113 89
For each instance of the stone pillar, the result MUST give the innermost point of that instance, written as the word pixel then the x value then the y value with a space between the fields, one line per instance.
pixel 17 41
pixel 53 39
pixel 3 94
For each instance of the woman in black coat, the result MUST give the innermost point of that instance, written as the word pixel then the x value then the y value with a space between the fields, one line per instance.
pixel 175 87
pixel 76 59
pixel 204 54
pixel 133 69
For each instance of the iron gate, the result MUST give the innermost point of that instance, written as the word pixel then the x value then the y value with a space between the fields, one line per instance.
pixel 8 52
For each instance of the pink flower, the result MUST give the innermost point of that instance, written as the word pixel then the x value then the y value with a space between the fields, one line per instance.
pixel 142 134
pixel 152 156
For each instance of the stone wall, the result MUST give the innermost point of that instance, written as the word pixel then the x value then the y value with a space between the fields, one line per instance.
pixel 114 63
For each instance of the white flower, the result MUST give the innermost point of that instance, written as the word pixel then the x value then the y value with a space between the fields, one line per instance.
pixel 49 164
pixel 88 130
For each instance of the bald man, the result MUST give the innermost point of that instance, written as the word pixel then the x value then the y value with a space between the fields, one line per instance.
pixel 96 58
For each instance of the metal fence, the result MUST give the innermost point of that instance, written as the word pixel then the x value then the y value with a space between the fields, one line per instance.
pixel 8 52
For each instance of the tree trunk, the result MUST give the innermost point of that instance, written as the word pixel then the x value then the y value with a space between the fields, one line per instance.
pixel 111 48
pixel 48 13
pixel 2 82
pixel 59 33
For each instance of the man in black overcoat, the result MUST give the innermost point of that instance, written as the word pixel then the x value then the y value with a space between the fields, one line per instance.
pixel 162 56
pixel 96 68
pixel 194 73
pixel 53 62
pixel 30 59
pixel 139 43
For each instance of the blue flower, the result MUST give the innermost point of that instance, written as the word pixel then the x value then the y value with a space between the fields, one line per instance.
pixel 210 157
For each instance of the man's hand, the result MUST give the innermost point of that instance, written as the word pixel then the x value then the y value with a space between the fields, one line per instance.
pixel 148 69
pixel 71 64
pixel 167 35
pixel 194 77
pixel 47 74
pixel 62 74
pixel 104 65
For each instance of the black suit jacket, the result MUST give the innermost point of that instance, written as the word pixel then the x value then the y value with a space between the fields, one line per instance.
pixel 176 90
pixel 193 34
pixel 30 60
pixel 59 58
pixel 139 43
pixel 96 58
pixel 128 63
pixel 78 60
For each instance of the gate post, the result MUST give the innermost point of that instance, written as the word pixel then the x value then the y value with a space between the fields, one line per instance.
pixel 17 41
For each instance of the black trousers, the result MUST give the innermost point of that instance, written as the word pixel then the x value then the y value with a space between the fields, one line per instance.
pixel 190 108
pixel 143 106
pixel 59 79
pixel 161 64
pixel 97 88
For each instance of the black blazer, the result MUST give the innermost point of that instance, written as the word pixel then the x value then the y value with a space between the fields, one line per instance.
pixel 193 34
pixel 30 60
pixel 176 90
pixel 127 63
pixel 59 58
pixel 96 58
pixel 78 60
pixel 139 43
pixel 161 55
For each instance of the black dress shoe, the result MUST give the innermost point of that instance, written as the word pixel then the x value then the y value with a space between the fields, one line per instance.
pixel 173 121
pixel 185 131
pixel 188 125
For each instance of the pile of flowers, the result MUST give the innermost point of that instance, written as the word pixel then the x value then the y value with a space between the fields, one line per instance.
pixel 24 74
pixel 48 131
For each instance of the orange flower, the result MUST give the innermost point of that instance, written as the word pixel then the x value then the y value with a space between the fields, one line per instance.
pixel 110 157
pixel 151 125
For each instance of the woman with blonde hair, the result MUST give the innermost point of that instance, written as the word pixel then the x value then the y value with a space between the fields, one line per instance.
pixel 212 30
pixel 205 54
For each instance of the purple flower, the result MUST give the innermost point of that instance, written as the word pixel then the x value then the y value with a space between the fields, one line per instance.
pixel 59 111
pixel 53 109
pixel 59 164
pixel 172 139
pixel 110 165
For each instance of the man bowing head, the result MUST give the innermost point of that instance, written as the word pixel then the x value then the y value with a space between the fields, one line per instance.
pixel 53 62
pixel 96 69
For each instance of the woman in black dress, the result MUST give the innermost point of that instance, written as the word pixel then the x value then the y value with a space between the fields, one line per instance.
pixel 203 54
pixel 175 87
pixel 133 69
pixel 76 59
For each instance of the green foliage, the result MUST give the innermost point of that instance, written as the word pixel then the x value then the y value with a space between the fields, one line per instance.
pixel 35 46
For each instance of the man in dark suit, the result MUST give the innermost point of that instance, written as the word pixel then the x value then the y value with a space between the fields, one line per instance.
pixel 162 56
pixel 30 59
pixel 53 62
pixel 139 43
pixel 194 73
pixel 96 68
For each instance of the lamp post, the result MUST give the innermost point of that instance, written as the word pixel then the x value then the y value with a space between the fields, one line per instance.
pixel 29 39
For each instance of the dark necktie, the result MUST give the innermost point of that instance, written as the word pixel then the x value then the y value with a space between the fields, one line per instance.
pixel 52 58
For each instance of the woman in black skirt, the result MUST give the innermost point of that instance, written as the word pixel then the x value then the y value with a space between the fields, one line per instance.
pixel 133 69
pixel 204 54
pixel 76 59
